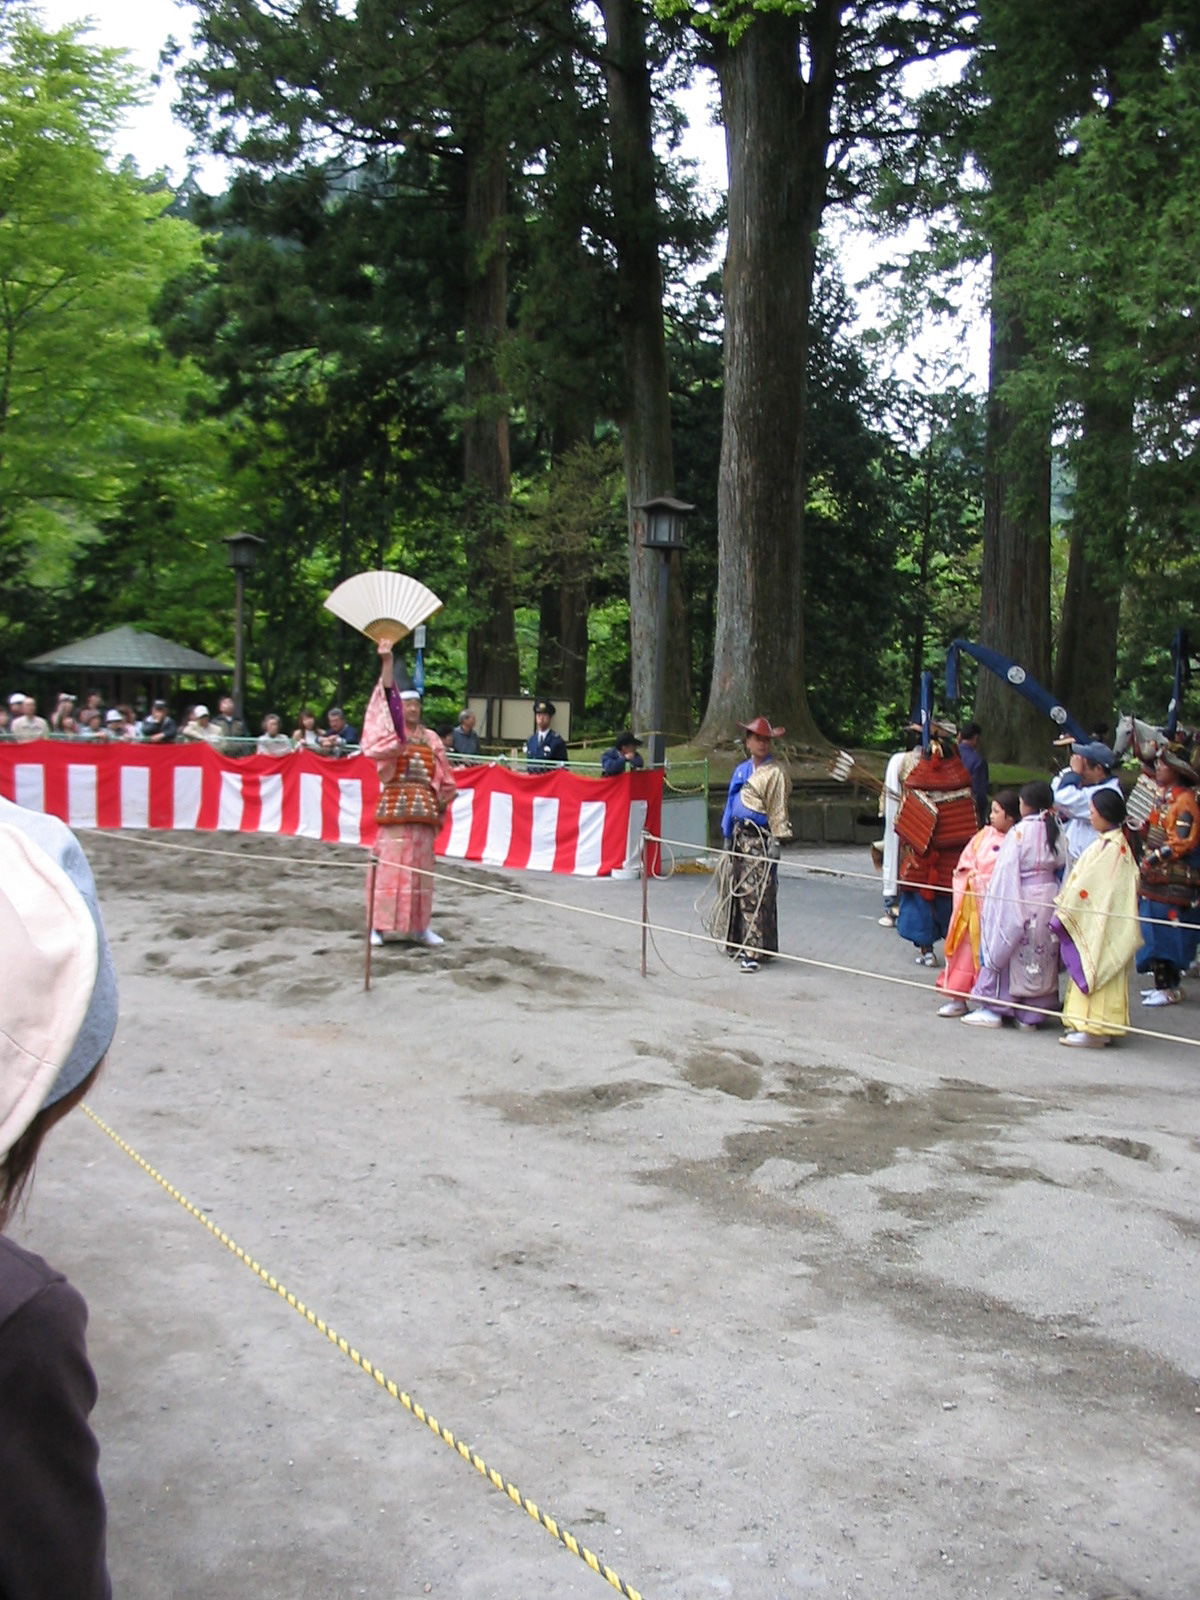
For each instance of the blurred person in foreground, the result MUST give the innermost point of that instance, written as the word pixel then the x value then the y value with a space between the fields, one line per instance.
pixel 416 787
pixel 58 1013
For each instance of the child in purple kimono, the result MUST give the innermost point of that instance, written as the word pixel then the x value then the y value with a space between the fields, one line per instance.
pixel 1018 974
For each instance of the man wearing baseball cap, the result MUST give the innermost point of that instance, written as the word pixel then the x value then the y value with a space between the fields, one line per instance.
pixel 58 1012
pixel 1093 765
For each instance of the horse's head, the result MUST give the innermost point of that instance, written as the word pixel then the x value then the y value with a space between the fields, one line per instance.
pixel 1140 737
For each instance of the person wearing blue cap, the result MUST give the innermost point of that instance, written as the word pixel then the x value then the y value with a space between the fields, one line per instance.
pixel 58 1012
pixel 1093 768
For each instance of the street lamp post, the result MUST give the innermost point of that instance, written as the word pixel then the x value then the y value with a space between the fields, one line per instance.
pixel 241 553
pixel 662 523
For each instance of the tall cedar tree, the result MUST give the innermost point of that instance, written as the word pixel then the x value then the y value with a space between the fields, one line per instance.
pixel 271 86
pixel 810 92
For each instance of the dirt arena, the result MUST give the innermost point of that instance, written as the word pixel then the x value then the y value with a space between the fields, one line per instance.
pixel 763 1286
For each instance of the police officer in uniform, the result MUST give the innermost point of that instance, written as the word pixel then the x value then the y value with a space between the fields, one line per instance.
pixel 544 748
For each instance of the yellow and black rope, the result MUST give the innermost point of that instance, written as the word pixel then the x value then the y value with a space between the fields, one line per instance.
pixel 564 1536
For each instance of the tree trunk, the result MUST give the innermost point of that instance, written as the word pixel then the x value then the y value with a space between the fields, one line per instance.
pixel 777 136
pixel 563 606
pixel 492 662
pixel 646 410
pixel 1015 582
pixel 1086 669
pixel 918 649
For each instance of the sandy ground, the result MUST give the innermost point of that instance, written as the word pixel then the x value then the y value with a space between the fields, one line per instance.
pixel 763 1286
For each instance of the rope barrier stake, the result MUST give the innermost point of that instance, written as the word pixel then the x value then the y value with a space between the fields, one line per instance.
pixel 370 922
pixel 645 896
pixel 530 1507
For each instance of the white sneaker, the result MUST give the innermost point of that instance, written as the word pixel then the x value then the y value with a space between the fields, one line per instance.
pixel 953 1008
pixel 376 937
pixel 1162 997
pixel 748 964
pixel 1084 1041
pixel 430 938
pixel 887 920
pixel 983 1018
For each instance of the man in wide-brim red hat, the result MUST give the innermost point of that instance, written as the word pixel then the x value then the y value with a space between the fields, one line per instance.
pixel 762 728
pixel 754 824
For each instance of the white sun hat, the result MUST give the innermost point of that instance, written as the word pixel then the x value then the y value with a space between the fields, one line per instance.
pixel 58 1006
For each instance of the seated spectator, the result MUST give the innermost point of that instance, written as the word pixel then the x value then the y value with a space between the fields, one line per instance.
pixel 29 725
pixel 68 727
pixel 91 726
pixel 5 719
pixel 306 734
pixel 227 725
pixel 64 708
pixel 340 735
pixel 464 740
pixel 115 725
pixel 93 701
pixel 623 757
pixel 158 727
pixel 200 728
pixel 272 741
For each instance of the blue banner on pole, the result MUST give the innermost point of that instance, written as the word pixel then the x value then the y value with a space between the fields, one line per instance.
pixel 1017 678
pixel 1181 655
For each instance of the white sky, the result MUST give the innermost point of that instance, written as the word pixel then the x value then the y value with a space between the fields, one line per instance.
pixel 157 142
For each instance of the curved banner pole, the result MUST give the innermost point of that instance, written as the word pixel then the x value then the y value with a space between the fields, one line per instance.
pixel 1017 678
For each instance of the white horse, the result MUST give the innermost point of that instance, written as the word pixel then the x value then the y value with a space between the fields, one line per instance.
pixel 1138 736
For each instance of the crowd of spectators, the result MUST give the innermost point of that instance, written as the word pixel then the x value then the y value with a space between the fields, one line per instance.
pixel 93 721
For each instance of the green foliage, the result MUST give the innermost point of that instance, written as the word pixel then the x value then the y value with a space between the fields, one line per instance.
pixel 570 523
pixel 96 426
pixel 879 466
pixel 84 252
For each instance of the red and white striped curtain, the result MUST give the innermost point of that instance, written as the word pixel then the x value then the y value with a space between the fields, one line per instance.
pixel 551 821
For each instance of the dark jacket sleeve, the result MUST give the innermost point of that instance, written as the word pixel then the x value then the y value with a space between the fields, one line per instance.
pixel 612 763
pixel 52 1516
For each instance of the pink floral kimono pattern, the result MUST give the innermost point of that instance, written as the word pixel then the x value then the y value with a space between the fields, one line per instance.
pixel 971 878
pixel 404 877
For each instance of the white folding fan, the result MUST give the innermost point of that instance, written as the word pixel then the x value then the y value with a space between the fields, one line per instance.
pixel 383 605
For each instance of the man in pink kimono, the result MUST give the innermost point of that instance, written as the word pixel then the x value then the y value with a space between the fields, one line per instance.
pixel 417 786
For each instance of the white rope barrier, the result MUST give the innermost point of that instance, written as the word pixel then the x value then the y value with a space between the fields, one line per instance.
pixel 651 927
pixel 801 869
